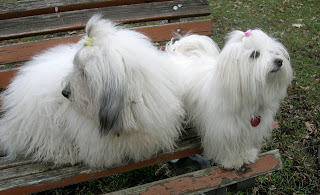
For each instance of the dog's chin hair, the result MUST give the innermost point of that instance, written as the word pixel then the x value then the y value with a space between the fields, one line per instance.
pixel 224 91
pixel 125 101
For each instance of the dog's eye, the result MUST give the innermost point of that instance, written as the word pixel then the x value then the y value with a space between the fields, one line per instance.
pixel 255 54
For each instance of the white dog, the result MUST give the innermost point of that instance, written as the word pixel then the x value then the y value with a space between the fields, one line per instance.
pixel 122 101
pixel 232 97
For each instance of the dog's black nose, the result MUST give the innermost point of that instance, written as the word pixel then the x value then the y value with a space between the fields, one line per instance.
pixel 66 93
pixel 278 62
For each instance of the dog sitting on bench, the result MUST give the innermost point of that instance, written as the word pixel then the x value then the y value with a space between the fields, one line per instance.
pixel 232 96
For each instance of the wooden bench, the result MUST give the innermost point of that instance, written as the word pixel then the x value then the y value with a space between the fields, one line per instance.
pixel 37 20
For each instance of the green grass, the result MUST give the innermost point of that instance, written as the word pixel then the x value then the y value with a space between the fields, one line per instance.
pixel 297 25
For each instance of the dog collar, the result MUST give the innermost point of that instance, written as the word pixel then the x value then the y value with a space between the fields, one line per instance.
pixel 255 121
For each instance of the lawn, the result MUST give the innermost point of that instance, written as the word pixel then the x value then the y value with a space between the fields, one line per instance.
pixel 296 23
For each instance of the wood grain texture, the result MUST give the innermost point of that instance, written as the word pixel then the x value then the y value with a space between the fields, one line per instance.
pixel 6 77
pixel 157 33
pixel 208 179
pixel 30 178
pixel 6 163
pixel 49 23
pixel 18 9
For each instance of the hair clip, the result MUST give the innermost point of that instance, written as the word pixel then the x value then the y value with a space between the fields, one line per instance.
pixel 247 33
pixel 88 41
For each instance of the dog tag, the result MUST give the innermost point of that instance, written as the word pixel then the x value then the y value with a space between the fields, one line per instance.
pixel 255 121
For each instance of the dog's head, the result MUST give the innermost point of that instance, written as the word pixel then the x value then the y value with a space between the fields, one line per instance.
pixel 97 86
pixel 254 64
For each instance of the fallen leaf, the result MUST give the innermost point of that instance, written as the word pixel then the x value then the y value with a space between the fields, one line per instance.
pixel 310 127
pixel 83 189
pixel 164 166
pixel 273 187
pixel 72 32
pixel 275 125
pixel 297 25
pixel 268 175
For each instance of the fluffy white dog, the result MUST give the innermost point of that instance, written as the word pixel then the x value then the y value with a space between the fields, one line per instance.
pixel 232 96
pixel 122 101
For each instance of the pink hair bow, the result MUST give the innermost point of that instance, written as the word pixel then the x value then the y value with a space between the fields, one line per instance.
pixel 247 33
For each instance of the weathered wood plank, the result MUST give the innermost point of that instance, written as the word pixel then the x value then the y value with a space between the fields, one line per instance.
pixel 158 33
pixel 70 175
pixel 5 163
pixel 208 179
pixel 24 51
pixel 6 76
pixel 17 9
pixel 27 169
pixel 21 167
pixel 33 25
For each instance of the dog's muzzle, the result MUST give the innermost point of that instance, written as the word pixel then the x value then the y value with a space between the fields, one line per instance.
pixel 277 64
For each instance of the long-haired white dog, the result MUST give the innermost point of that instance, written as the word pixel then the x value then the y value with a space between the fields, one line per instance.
pixel 122 101
pixel 232 96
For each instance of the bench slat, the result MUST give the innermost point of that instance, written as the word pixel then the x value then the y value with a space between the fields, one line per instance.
pixel 36 7
pixel 24 51
pixel 5 78
pixel 5 163
pixel 34 25
pixel 49 177
pixel 28 169
pixel 208 179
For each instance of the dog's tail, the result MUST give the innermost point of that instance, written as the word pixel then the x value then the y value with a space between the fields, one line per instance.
pixel 193 45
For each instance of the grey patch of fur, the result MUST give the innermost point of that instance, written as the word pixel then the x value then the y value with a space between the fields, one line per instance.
pixel 110 113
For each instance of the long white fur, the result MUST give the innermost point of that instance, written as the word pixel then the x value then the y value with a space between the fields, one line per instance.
pixel 39 122
pixel 225 90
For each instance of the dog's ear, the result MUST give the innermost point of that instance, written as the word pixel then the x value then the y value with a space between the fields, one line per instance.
pixel 112 105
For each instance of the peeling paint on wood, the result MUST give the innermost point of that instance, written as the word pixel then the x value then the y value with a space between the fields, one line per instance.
pixel 209 179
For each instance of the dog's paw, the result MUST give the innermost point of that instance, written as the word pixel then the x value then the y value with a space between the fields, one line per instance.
pixel 235 162
pixel 250 156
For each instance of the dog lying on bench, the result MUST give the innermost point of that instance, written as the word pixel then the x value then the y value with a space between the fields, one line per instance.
pixel 120 101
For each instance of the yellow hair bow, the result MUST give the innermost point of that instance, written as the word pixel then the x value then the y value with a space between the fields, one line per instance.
pixel 88 41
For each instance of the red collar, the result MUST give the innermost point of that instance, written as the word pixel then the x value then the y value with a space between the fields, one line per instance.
pixel 255 121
